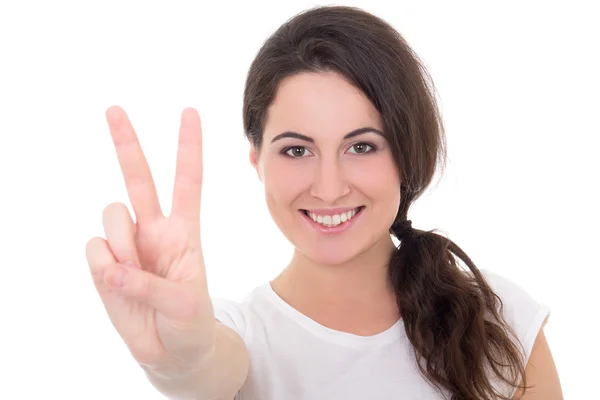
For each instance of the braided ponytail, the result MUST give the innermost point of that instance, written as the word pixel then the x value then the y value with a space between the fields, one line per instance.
pixel 452 318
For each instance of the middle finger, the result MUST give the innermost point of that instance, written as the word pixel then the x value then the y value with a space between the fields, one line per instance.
pixel 138 178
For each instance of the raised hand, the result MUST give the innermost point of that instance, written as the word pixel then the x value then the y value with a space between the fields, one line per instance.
pixel 150 274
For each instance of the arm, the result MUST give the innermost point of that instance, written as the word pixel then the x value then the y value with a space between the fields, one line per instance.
pixel 541 373
pixel 220 377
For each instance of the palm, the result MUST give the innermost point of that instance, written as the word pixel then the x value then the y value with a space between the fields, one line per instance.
pixel 165 247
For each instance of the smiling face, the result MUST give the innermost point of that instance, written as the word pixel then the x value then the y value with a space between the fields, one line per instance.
pixel 331 184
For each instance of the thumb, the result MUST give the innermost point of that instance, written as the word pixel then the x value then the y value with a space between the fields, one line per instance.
pixel 175 300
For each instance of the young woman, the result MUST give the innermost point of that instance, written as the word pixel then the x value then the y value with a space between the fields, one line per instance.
pixel 345 136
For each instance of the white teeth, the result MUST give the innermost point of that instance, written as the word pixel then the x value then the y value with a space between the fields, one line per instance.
pixel 332 220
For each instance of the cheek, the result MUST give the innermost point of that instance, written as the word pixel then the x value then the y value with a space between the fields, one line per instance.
pixel 284 180
pixel 376 177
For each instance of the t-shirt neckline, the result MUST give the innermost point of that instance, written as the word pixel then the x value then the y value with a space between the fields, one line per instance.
pixel 331 335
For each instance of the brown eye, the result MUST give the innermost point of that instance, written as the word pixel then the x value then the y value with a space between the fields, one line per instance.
pixel 361 148
pixel 296 151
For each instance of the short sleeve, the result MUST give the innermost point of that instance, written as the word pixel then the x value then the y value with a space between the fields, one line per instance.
pixel 230 313
pixel 524 314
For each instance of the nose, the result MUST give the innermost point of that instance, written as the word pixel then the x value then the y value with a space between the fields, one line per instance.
pixel 330 182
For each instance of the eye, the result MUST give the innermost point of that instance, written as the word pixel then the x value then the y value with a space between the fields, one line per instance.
pixel 296 151
pixel 361 148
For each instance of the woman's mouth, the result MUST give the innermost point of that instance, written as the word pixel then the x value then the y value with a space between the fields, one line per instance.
pixel 332 223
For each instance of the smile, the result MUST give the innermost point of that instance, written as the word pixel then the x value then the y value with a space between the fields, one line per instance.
pixel 332 223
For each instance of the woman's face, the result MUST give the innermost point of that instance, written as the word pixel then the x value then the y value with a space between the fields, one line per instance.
pixel 322 155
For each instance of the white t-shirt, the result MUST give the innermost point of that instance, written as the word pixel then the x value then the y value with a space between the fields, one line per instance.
pixel 292 357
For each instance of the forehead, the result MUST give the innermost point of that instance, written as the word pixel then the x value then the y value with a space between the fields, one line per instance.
pixel 319 104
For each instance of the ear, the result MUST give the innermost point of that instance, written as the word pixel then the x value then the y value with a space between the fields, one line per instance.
pixel 254 160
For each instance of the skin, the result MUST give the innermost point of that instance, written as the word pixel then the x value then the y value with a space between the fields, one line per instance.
pixel 340 280
pixel 331 274
pixel 541 373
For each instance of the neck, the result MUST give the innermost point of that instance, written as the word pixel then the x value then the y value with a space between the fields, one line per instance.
pixel 361 283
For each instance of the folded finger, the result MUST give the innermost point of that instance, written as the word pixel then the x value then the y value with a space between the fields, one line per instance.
pixel 98 256
pixel 120 233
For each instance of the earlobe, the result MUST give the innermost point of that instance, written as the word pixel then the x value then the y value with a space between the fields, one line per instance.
pixel 253 157
pixel 254 161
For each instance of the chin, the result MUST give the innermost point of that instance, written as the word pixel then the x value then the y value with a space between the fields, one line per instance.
pixel 331 255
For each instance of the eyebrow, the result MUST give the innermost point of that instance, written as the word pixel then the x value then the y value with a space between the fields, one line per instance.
pixel 300 136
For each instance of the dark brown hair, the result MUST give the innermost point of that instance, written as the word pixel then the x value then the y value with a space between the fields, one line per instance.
pixel 452 317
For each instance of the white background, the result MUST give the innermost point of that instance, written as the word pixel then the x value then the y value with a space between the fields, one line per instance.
pixel 518 86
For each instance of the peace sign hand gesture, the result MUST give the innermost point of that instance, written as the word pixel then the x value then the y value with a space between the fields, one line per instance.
pixel 150 274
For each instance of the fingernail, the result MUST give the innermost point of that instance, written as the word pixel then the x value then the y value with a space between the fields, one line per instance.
pixel 131 263
pixel 119 278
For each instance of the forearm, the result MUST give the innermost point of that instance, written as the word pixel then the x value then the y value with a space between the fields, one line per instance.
pixel 220 376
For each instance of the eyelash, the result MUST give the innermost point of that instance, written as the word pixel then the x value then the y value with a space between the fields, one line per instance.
pixel 372 146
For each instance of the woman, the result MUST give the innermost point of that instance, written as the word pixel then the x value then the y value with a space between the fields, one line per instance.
pixel 345 135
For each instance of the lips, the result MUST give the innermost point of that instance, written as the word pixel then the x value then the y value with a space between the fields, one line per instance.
pixel 333 223
pixel 331 211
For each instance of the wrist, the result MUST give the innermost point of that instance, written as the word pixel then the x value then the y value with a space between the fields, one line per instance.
pixel 181 370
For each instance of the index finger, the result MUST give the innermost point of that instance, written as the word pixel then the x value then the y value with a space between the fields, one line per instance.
pixel 138 178
pixel 188 175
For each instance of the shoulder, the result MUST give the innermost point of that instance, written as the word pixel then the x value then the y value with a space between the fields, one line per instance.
pixel 230 313
pixel 522 312
pixel 235 314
